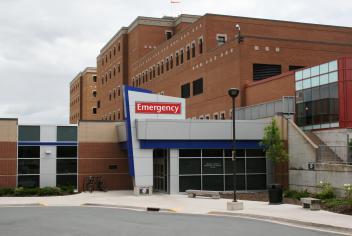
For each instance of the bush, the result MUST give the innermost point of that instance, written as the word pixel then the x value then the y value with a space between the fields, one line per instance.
pixel 67 189
pixel 348 190
pixel 332 203
pixel 6 191
pixel 49 191
pixel 327 191
pixel 296 194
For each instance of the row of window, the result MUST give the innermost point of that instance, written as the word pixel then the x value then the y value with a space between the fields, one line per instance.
pixel 74 87
pixel 32 133
pixel 75 101
pixel 110 74
pixel 215 116
pixel 111 53
pixel 114 92
pixel 197 88
pixel 168 63
pixel 32 181
pixel 34 152
pixel 112 116
pixel 32 166
pixel 75 116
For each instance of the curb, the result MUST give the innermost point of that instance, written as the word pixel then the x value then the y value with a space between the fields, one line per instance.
pixel 283 220
pixel 136 208
pixel 23 205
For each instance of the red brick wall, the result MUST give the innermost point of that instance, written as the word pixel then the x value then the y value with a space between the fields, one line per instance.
pixel 94 160
pixel 8 164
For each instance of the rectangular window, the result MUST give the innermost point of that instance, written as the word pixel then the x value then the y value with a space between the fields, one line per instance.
pixel 222 116
pixel 221 39
pixel 94 78
pixel 28 151
pixel 193 49
pixel 66 180
pixel 263 71
pixel 177 59
pixel 94 110
pixel 28 133
pixel 66 151
pixel 98 104
pixel 28 181
pixel 200 45
pixel 189 182
pixel 212 166
pixel 189 152
pixel 186 90
pixel 212 153
pixel 67 133
pixel 66 166
pixel 168 35
pixel 188 53
pixel 28 166
pixel 198 86
pixel 189 166
pixel 290 68
pixel 94 93
pixel 181 57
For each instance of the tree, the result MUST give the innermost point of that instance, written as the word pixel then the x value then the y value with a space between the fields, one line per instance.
pixel 273 144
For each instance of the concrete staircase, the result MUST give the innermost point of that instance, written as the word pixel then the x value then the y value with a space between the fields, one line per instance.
pixel 324 153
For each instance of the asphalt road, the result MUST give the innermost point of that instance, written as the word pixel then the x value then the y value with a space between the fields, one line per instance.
pixel 62 221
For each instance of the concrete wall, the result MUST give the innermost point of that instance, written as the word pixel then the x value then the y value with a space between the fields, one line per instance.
pixel 302 151
pixel 336 139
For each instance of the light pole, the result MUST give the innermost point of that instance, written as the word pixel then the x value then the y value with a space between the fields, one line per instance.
pixel 233 93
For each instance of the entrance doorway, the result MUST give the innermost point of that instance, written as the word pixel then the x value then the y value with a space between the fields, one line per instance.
pixel 161 170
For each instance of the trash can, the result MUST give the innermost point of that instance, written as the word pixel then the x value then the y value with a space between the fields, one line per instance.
pixel 275 193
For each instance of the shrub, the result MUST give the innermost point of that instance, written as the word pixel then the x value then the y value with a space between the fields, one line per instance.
pixel 327 191
pixel 49 191
pixel 67 189
pixel 332 203
pixel 296 194
pixel 6 191
pixel 348 190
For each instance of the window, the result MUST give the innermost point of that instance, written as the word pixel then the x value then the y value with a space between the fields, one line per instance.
pixel 94 93
pixel 150 73
pixel 110 74
pixel 216 116
pixel 200 45
pixel 28 181
pixel 114 51
pixel 168 34
pixel 66 133
pixel 98 104
pixel 263 71
pixel 207 117
pixel 153 71
pixel 193 49
pixel 171 62
pixel 28 133
pixel 118 47
pixel 114 73
pixel 114 93
pixel 118 115
pixel 158 69
pixel 65 166
pixel 198 86
pixel 119 91
pixel 66 151
pixel 94 110
pixel 28 151
pixel 290 68
pixel 167 64
pixel 222 115
pixel 28 166
pixel 118 68
pixel 177 59
pixel 66 180
pixel 114 116
pixel 188 52
pixel 94 78
pixel 221 39
pixel 181 56
pixel 186 90
pixel 162 67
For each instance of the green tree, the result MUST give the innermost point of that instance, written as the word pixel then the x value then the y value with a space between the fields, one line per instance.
pixel 273 144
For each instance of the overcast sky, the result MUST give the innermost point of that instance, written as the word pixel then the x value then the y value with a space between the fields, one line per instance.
pixel 45 43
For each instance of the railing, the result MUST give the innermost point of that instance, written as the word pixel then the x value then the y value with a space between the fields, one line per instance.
pixel 334 154
pixel 286 105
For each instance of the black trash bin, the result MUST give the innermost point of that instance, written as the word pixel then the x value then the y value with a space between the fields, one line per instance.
pixel 275 193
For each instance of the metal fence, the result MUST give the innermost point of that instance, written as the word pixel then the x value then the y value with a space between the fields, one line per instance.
pixel 286 105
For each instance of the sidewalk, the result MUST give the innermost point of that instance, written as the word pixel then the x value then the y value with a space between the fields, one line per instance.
pixel 182 204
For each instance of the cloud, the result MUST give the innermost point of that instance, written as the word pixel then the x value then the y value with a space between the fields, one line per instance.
pixel 44 44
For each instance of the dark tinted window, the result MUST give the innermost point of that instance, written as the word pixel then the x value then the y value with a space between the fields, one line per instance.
pixel 66 151
pixel 64 166
pixel 66 180
pixel 240 182
pixel 28 166
pixel 66 133
pixel 28 181
pixel 186 90
pixel 239 152
pixel 212 165
pixel 28 151
pixel 255 153
pixel 213 182
pixel 198 86
pixel 256 182
pixel 189 182
pixel 239 165
pixel 295 67
pixel 189 166
pixel 28 133
pixel 212 153
pixel 189 152
pixel 263 71
pixel 256 165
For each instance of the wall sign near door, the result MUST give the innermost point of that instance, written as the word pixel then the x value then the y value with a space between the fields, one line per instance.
pixel 158 108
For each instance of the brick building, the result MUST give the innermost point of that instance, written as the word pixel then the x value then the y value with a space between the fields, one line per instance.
pixel 200 57
pixel 83 96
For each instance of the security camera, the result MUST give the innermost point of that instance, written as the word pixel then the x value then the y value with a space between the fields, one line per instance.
pixel 238 27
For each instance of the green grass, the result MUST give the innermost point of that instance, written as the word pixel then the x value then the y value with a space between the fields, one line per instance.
pixel 296 194
pixel 334 202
